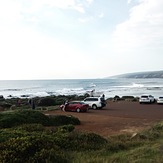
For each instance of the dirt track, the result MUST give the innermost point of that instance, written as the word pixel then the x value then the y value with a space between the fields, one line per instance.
pixel 117 117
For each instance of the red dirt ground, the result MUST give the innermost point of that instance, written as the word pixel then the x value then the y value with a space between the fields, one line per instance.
pixel 117 117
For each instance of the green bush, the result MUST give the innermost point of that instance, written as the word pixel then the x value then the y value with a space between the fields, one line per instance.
pixel 31 149
pixel 85 141
pixel 128 97
pixel 6 134
pixel 65 128
pixel 47 101
pixel 21 117
pixel 60 120
pixel 34 127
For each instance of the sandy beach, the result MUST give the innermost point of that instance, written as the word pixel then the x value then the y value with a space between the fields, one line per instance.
pixel 117 118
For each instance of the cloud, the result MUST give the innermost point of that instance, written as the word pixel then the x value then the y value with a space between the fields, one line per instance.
pixel 101 15
pixel 86 19
pixel 36 5
pixel 28 54
pixel 10 13
pixel 129 1
pixel 143 29
pixel 90 1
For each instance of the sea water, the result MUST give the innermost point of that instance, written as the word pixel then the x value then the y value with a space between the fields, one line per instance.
pixel 110 87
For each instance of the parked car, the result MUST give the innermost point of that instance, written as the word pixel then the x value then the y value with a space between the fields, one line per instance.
pixel 95 102
pixel 146 99
pixel 160 100
pixel 76 106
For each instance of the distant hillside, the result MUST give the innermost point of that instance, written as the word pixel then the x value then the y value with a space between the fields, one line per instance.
pixel 150 74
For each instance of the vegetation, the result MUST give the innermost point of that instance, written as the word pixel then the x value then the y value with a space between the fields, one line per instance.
pixel 16 118
pixel 30 140
pixel 41 103
pixel 30 136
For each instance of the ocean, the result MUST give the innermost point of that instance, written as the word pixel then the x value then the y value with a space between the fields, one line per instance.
pixel 110 87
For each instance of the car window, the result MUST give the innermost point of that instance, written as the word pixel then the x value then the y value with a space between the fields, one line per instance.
pixel 87 99
pixel 144 96
pixel 91 99
pixel 94 99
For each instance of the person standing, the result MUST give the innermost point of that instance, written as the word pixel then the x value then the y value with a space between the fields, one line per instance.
pixel 65 104
pixel 33 104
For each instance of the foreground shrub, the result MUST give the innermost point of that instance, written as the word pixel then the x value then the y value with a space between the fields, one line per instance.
pixel 34 127
pixel 6 134
pixel 65 128
pixel 123 142
pixel 16 118
pixel 21 117
pixel 44 145
pixel 85 141
pixel 31 149
pixel 155 132
pixel 60 120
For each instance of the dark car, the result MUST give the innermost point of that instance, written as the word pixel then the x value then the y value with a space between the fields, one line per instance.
pixel 76 106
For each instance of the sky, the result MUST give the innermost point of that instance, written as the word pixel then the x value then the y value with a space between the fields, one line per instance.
pixel 79 39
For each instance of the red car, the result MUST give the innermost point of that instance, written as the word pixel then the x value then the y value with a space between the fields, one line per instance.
pixel 76 106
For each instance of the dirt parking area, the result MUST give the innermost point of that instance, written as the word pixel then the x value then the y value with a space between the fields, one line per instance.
pixel 117 117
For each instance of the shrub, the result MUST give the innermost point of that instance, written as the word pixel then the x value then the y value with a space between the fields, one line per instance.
pixel 31 149
pixel 85 141
pixel 4 104
pixel 31 127
pixel 6 134
pixel 65 128
pixel 21 117
pixel 116 98
pixel 128 97
pixel 60 120
pixel 47 101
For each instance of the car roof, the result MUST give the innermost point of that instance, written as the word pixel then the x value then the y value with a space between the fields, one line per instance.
pixel 146 95
pixel 93 97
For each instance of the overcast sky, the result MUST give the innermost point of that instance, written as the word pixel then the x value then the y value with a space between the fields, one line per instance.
pixel 79 39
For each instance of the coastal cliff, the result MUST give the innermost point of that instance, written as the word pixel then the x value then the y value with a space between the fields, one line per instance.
pixel 143 75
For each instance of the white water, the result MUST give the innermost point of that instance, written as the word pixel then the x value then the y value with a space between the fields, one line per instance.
pixel 110 87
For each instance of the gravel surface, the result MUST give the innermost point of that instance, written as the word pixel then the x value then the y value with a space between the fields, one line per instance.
pixel 117 118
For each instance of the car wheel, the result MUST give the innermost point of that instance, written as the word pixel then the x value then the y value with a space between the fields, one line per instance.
pixel 94 106
pixel 78 110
